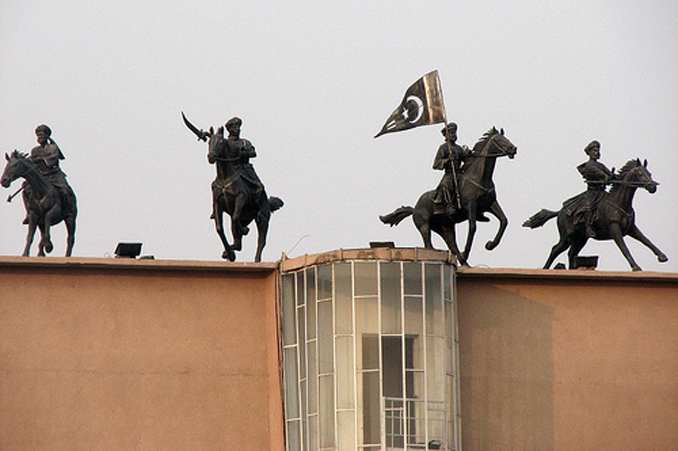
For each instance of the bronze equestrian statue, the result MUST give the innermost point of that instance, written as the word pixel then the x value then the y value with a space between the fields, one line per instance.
pixel 476 195
pixel 236 190
pixel 47 196
pixel 600 214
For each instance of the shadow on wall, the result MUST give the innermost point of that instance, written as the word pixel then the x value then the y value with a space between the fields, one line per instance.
pixel 506 360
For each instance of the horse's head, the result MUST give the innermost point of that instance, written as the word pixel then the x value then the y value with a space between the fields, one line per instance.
pixel 495 144
pixel 16 167
pixel 637 175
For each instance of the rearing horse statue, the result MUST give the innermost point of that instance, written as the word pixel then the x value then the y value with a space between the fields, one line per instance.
pixel 477 195
pixel 236 190
pixel 231 195
pixel 44 206
pixel 615 218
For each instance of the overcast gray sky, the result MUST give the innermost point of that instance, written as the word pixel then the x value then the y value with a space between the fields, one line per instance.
pixel 313 83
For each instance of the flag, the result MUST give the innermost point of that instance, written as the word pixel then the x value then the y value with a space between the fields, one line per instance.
pixel 421 105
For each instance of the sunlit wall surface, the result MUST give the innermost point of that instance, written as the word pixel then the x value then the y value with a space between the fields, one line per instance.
pixel 370 356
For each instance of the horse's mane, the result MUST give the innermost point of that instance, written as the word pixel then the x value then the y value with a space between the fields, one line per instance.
pixel 624 171
pixel 483 140
pixel 17 154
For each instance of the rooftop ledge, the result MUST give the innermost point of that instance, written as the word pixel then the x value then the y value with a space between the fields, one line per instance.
pixel 134 263
pixel 292 264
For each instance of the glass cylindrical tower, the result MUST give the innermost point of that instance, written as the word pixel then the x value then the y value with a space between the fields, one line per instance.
pixel 370 351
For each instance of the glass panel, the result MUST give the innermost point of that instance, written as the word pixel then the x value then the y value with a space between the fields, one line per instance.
pixel 416 424
pixel 395 422
pixel 326 384
pixel 414 384
pixel 302 342
pixel 294 435
pixel 312 378
pixel 365 278
pixel 449 338
pixel 345 373
pixel 435 368
pixel 412 276
pixel 325 282
pixel 414 317
pixel 288 310
pixel 291 381
pixel 370 352
pixel 434 300
pixel 391 307
pixel 451 413
pixel 301 288
pixel 392 358
pixel 346 427
pixel 302 386
pixel 371 408
pixel 313 442
pixel 447 278
pixel 325 338
pixel 436 426
pixel 367 315
pixel 344 303
pixel 310 301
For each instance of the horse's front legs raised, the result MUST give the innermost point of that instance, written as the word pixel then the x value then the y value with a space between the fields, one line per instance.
pixel 618 238
pixel 638 235
pixel 496 210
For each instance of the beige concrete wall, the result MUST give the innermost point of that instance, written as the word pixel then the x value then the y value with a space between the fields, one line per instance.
pixel 110 354
pixel 568 360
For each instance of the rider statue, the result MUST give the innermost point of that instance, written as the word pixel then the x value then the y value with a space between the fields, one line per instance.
pixel 239 151
pixel 597 176
pixel 449 158
pixel 46 156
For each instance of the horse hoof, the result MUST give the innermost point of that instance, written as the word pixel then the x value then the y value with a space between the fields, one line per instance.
pixel 490 245
pixel 663 258
pixel 636 268
pixel 230 256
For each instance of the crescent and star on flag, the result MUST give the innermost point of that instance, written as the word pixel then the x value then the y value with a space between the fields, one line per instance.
pixel 421 105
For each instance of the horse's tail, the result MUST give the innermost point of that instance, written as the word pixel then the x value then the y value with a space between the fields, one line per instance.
pixel 539 219
pixel 397 216
pixel 275 203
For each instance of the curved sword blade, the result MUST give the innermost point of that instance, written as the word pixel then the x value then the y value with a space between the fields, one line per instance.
pixel 201 134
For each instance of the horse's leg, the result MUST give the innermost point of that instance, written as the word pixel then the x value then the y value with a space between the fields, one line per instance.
pixel 46 245
pixel 423 224
pixel 262 229
pixel 562 245
pixel 237 228
pixel 219 224
pixel 618 237
pixel 449 235
pixel 70 238
pixel 496 210
pixel 32 225
pixel 575 248
pixel 636 234
pixel 472 227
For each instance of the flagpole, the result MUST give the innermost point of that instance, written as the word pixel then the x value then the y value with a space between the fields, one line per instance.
pixel 449 150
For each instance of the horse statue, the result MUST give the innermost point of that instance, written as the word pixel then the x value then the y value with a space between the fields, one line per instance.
pixel 476 193
pixel 43 202
pixel 233 194
pixel 615 218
